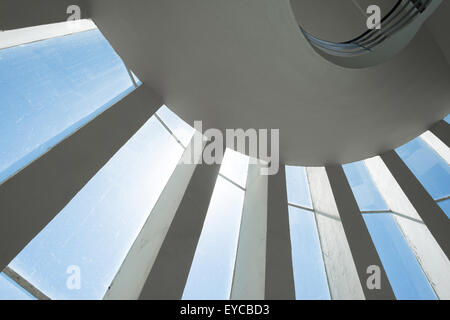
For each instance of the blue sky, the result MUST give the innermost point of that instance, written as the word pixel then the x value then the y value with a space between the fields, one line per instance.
pixel 402 268
pixel 310 278
pixel 211 273
pixel 10 290
pixel 297 187
pixel 431 170
pixel 51 88
pixel 366 193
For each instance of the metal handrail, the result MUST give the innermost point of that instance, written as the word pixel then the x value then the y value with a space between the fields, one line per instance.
pixel 403 12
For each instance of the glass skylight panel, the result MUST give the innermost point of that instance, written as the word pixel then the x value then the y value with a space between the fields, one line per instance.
pixel 10 290
pixel 91 236
pixel 366 193
pixel 447 118
pixel 212 269
pixel 297 186
pixel 179 128
pixel 402 268
pixel 429 168
pixel 445 206
pixel 403 271
pixel 50 88
pixel 235 166
pixel 310 278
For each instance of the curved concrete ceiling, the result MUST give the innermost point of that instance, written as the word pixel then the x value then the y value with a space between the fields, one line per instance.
pixel 346 18
pixel 246 64
pixel 439 25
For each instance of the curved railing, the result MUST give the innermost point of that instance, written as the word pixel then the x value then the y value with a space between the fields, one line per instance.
pixel 403 12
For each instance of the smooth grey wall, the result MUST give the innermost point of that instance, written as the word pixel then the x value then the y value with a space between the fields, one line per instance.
pixel 16 14
pixel 439 26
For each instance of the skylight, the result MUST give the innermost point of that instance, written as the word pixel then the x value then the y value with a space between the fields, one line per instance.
pixel 57 78
pixel 297 187
pixel 176 125
pixel 447 118
pixel 310 277
pixel 402 268
pixel 94 232
pixel 52 87
pixel 364 190
pixel 429 168
pixel 211 273
pixel 10 290
pixel 404 272
pixel 22 36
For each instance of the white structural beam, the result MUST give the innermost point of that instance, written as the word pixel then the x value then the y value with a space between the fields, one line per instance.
pixel 133 273
pixel 433 260
pixel 342 275
pixel 35 195
pixel 279 270
pixel 250 266
pixel 358 236
pixel 437 145
pixel 27 286
pixel 430 213
pixel 17 37
pixel 170 270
